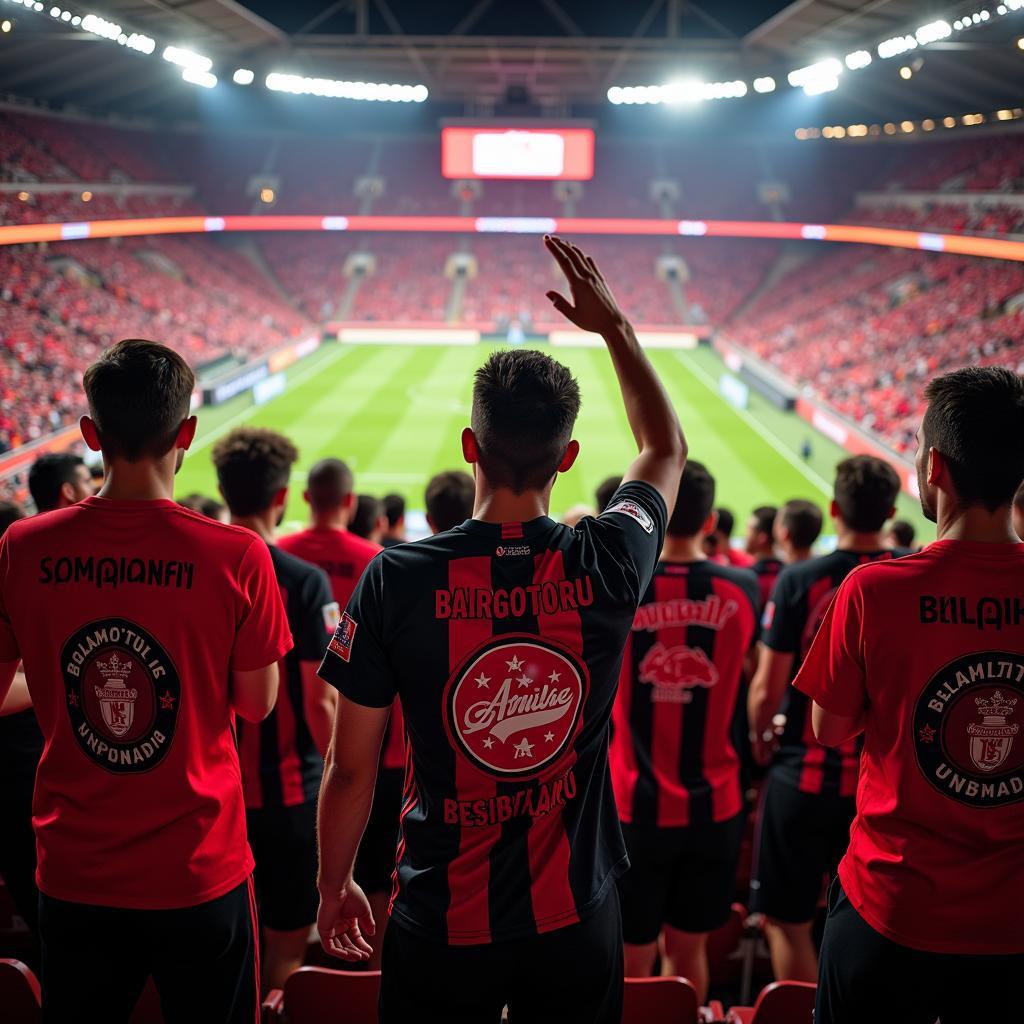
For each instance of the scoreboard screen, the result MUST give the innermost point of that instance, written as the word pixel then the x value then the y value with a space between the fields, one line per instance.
pixel 514 152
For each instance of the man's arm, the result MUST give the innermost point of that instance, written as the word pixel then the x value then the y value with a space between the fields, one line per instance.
pixel 346 795
pixel 254 692
pixel 764 698
pixel 832 730
pixel 318 703
pixel 8 670
pixel 649 410
pixel 18 698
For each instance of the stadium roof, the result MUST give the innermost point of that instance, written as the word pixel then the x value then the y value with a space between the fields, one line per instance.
pixel 478 56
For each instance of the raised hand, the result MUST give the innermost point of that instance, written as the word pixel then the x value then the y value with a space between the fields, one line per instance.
pixel 343 921
pixel 593 307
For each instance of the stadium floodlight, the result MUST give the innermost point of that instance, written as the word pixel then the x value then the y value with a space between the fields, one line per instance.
pixel 187 59
pixel 764 84
pixel 299 85
pixel 822 76
pixel 197 77
pixel 895 46
pixel 243 76
pixel 858 59
pixel 98 26
pixel 933 32
pixel 65 16
pixel 141 43
pixel 54 12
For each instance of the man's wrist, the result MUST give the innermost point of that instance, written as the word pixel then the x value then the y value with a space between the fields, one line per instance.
pixel 327 887
pixel 618 330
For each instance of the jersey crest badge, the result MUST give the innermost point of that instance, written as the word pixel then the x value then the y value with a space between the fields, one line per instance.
pixel 344 635
pixel 634 511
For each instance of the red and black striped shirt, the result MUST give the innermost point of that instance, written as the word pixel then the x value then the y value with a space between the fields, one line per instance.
pixel 504 642
pixel 802 595
pixel 673 761
pixel 281 766
pixel 767 572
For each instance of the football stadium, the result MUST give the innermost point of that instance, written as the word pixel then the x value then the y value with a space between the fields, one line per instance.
pixel 511 511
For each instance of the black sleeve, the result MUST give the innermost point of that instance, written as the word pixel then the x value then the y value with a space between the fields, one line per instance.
pixel 319 616
pixel 781 623
pixel 632 532
pixel 356 662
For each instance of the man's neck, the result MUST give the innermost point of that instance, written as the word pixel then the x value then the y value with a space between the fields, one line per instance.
pixel 796 555
pixel 975 524
pixel 145 480
pixel 504 506
pixel 334 520
pixel 262 523
pixel 854 540
pixel 683 549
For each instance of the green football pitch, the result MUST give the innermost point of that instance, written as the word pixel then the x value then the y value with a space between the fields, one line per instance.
pixel 395 413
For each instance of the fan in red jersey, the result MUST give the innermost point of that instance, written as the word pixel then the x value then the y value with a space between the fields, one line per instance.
pixel 282 756
pixel 807 800
pixel 145 629
pixel 504 639
pixel 923 658
pixel 675 770
pixel 330 544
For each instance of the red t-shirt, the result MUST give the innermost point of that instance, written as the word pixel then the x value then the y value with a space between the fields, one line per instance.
pixel 932 646
pixel 344 556
pixel 129 617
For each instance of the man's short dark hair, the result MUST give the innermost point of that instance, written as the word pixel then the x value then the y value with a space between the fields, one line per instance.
pixel 394 509
pixel 449 499
pixel 903 532
pixel 367 513
pixel 726 522
pixel 524 407
pixel 49 473
pixel 695 501
pixel 765 517
pixel 802 520
pixel 209 507
pixel 866 490
pixel 605 491
pixel 252 465
pixel 975 418
pixel 139 395
pixel 10 512
pixel 329 484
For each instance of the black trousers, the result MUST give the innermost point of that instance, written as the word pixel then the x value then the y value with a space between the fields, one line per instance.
pixel 18 857
pixel 204 960
pixel 572 974
pixel 863 976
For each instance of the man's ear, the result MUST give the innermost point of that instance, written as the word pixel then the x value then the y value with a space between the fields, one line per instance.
pixel 89 433
pixel 936 466
pixel 305 497
pixel 833 509
pixel 67 493
pixel 186 433
pixel 572 452
pixel 349 503
pixel 710 523
pixel 281 498
pixel 470 450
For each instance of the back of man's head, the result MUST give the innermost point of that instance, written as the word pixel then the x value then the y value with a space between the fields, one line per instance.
pixel 139 395
pixel 449 499
pixel 726 522
pixel 801 521
pixel 10 513
pixel 975 419
pixel 695 501
pixel 366 517
pixel 605 492
pixel 761 529
pixel 253 466
pixel 902 533
pixel 524 408
pixel 865 492
pixel 329 485
pixel 55 480
pixel 394 509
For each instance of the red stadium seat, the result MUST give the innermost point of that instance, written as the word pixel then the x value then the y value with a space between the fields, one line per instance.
pixel 782 1002
pixel 649 1000
pixel 19 994
pixel 312 995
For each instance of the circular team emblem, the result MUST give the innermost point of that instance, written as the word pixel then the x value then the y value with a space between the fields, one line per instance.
pixel 122 694
pixel 514 706
pixel 966 731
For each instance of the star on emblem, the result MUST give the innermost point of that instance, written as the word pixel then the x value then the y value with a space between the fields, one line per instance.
pixel 167 701
pixel 73 699
pixel 524 680
pixel 482 681
pixel 514 665
pixel 523 749
pixel 549 737
pixel 554 677
pixel 488 742
pixel 926 735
